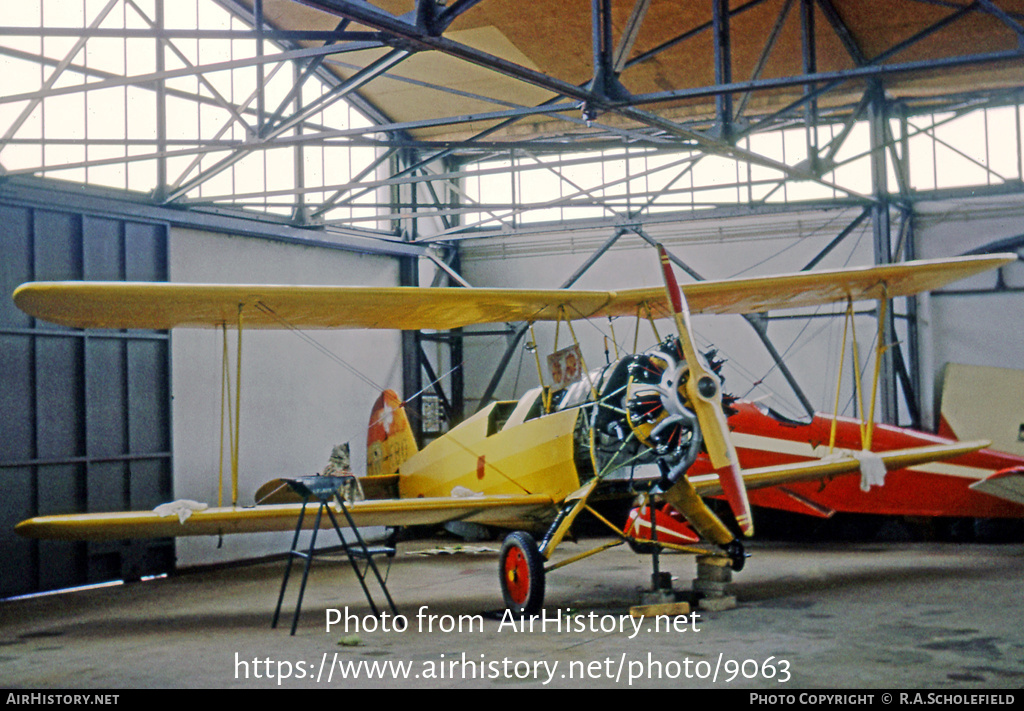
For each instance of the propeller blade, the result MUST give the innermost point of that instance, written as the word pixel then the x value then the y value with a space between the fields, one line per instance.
pixel 705 395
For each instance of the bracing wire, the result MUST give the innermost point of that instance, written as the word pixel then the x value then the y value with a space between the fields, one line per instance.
pixel 319 346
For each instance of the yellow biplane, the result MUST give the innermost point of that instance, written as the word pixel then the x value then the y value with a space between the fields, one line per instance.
pixel 631 428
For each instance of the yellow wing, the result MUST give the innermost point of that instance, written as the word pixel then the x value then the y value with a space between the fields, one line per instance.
pixel 524 511
pixel 507 511
pixel 160 305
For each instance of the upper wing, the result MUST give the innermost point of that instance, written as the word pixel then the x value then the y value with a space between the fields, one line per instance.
pixel 161 305
pixel 842 463
pixel 516 511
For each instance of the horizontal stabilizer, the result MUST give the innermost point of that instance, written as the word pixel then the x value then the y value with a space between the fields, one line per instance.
pixel 1007 484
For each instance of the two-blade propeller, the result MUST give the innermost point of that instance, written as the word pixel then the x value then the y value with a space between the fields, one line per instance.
pixel 704 393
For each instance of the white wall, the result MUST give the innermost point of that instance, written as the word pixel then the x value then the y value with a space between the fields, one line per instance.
pixel 716 249
pixel 974 329
pixel 297 402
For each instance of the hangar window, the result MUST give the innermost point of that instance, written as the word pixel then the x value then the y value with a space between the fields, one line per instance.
pixel 978 145
pixel 201 104
pixel 129 94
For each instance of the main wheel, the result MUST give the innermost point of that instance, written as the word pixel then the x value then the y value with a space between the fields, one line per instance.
pixel 521 571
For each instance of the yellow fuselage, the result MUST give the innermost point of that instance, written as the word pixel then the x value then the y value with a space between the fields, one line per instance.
pixel 485 456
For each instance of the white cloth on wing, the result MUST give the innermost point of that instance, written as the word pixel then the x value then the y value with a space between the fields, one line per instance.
pixel 872 469
pixel 182 508
pixel 872 466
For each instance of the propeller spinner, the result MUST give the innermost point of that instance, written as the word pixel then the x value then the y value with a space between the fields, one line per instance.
pixel 705 398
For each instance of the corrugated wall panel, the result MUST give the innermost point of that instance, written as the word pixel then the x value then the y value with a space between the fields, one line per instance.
pixel 86 423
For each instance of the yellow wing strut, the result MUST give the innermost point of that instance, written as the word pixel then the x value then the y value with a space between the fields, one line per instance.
pixel 233 418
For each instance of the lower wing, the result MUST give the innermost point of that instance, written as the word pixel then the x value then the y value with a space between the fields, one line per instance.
pixel 524 511
pixel 842 462
pixel 519 511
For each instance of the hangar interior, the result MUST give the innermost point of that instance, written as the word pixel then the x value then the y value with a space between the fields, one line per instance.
pixel 469 143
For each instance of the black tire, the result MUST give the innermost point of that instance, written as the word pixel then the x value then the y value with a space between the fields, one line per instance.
pixel 521 572
pixel 736 553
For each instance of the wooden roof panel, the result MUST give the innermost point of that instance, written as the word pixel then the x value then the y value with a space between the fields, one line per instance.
pixel 554 37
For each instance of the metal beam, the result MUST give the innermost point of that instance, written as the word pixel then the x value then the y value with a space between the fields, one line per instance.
pixel 629 35
pixel 153 77
pixel 759 323
pixel 183 58
pixel 454 10
pixel 809 49
pixel 521 330
pixel 700 29
pixel 871 66
pixel 846 231
pixel 1004 17
pixel 426 34
pixel 769 45
pixel 267 136
pixel 41 192
pixel 160 189
pixel 555 202
pixel 310 70
pixel 48 84
pixel 271 34
pixel 842 32
pixel 370 16
pixel 723 66
pixel 878 116
pixel 872 71
pixel 199 152
pixel 375 115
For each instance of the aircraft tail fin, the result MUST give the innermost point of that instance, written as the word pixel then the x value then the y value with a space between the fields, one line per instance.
pixel 389 438
pixel 984 403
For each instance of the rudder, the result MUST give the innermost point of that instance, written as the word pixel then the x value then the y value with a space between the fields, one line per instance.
pixel 982 402
pixel 389 438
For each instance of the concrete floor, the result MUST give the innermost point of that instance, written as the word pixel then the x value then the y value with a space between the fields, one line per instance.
pixel 879 616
